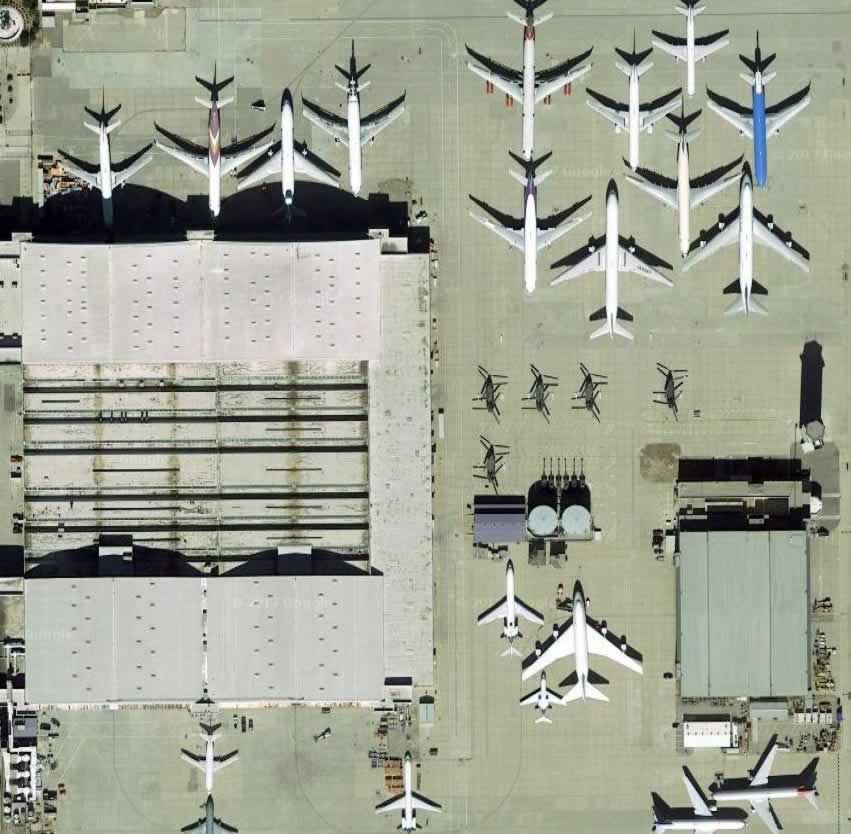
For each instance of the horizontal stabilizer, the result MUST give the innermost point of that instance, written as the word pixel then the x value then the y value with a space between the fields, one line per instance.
pixel 634 58
pixel 732 287
pixel 757 288
pixel 596 678
pixel 623 316
pixel 570 680
pixel 598 315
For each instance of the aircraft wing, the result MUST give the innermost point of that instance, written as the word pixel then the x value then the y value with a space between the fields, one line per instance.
pixel 760 773
pixel 707 44
pixel 243 151
pixel 719 236
pixel 550 229
pixel 557 646
pixel 503 78
pixel 331 123
pixel 223 828
pixel 495 612
pixel 671 44
pixel 695 795
pixel 224 761
pixel 711 183
pixel 306 167
pixel 262 169
pixel 192 759
pixel 762 808
pixel 196 163
pixel 613 111
pixel 76 169
pixel 195 827
pixel 632 258
pixel 132 166
pixel 395 803
pixel 550 80
pixel 423 803
pixel 652 111
pixel 781 242
pixel 373 124
pixel 507 227
pixel 527 612
pixel 740 117
pixel 602 645
pixel 662 188
pixel 532 698
pixel 590 258
pixel 779 114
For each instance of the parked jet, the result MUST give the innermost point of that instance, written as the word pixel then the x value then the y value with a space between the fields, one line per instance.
pixel 509 608
pixel 102 176
pixel 209 823
pixel 528 86
pixel 761 787
pixel 213 161
pixel 209 763
pixel 683 193
pixel 287 158
pixel 581 636
pixel 530 235
pixel 408 802
pixel 700 817
pixel 612 253
pixel 542 699
pixel 759 122
pixel 690 49
pixel 634 117
pixel 747 226
pixel 353 131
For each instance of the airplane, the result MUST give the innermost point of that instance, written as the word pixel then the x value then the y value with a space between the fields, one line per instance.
pixel 674 381
pixel 489 393
pixel 353 131
pixel 746 225
pixel 209 824
pixel 588 391
pixel 102 176
pixel 611 253
pixel 684 193
pixel 408 802
pixel 213 161
pixel 581 636
pixel 634 117
pixel 509 608
pixel 542 699
pixel 285 159
pixel 529 235
pixel 759 122
pixel 209 763
pixel 492 462
pixel 528 86
pixel 700 817
pixel 690 49
pixel 761 787
pixel 539 393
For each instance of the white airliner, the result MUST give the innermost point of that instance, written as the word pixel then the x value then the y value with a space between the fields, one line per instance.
pixel 746 226
pixel 634 117
pixel 286 159
pixel 762 787
pixel 611 254
pixel 209 823
pixel 509 608
pixel 581 636
pixel 409 801
pixel 103 177
pixel 684 193
pixel 528 86
pixel 353 131
pixel 209 763
pixel 700 817
pixel 214 160
pixel 690 49
pixel 542 699
pixel 530 235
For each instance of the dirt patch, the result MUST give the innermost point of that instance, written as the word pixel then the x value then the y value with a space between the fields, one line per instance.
pixel 659 462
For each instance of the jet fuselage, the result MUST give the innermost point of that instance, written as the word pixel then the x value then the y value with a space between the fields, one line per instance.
pixel 287 148
pixel 746 238
pixel 580 625
pixel 634 126
pixel 683 195
pixel 612 250
pixel 528 116
pixel 755 793
pixel 760 143
pixel 530 235
pixel 214 158
pixel 510 627
pixel 690 73
pixel 353 122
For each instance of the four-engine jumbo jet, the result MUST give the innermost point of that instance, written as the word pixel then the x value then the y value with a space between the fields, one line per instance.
pixel 612 253
pixel 530 235
pixel 683 193
pixel 581 636
pixel 209 823
pixel 528 86
pixel 759 122
pixel 286 159
pixel 353 131
pixel 690 49
pixel 542 699
pixel 102 176
pixel 761 787
pixel 209 763
pixel 700 817
pixel 634 117
pixel 508 609
pixel 409 801
pixel 746 226
pixel 214 160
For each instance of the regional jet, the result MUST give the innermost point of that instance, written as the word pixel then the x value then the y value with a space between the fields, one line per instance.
pixel 214 160
pixel 209 823
pixel 761 787
pixel 700 817
pixel 634 117
pixel 581 636
pixel 102 176
pixel 542 699
pixel 683 193
pixel 286 159
pixel 612 253
pixel 408 802
pixel 759 122
pixel 509 608
pixel 530 235
pixel 690 49
pixel 353 131
pixel 209 763
pixel 528 86
pixel 746 226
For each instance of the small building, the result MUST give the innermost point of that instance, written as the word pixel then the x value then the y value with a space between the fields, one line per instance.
pixel 715 732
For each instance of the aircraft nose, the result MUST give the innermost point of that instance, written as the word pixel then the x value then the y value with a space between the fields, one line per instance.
pixel 746 169
pixel 577 589
pixel 611 189
pixel 286 99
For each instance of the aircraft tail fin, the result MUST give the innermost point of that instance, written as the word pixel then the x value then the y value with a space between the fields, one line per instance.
pixel 634 58
pixel 757 288
pixel 624 316
pixel 214 87
pixel 598 315
pixel 732 287
pixel 682 120
pixel 808 775
pixel 596 678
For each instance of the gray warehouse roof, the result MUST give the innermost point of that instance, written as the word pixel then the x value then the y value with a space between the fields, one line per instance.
pixel 743 613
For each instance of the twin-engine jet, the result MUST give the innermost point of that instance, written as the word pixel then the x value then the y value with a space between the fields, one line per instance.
pixel 509 609
pixel 700 817
pixel 209 763
pixel 209 823
pixel 409 801
pixel 542 699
